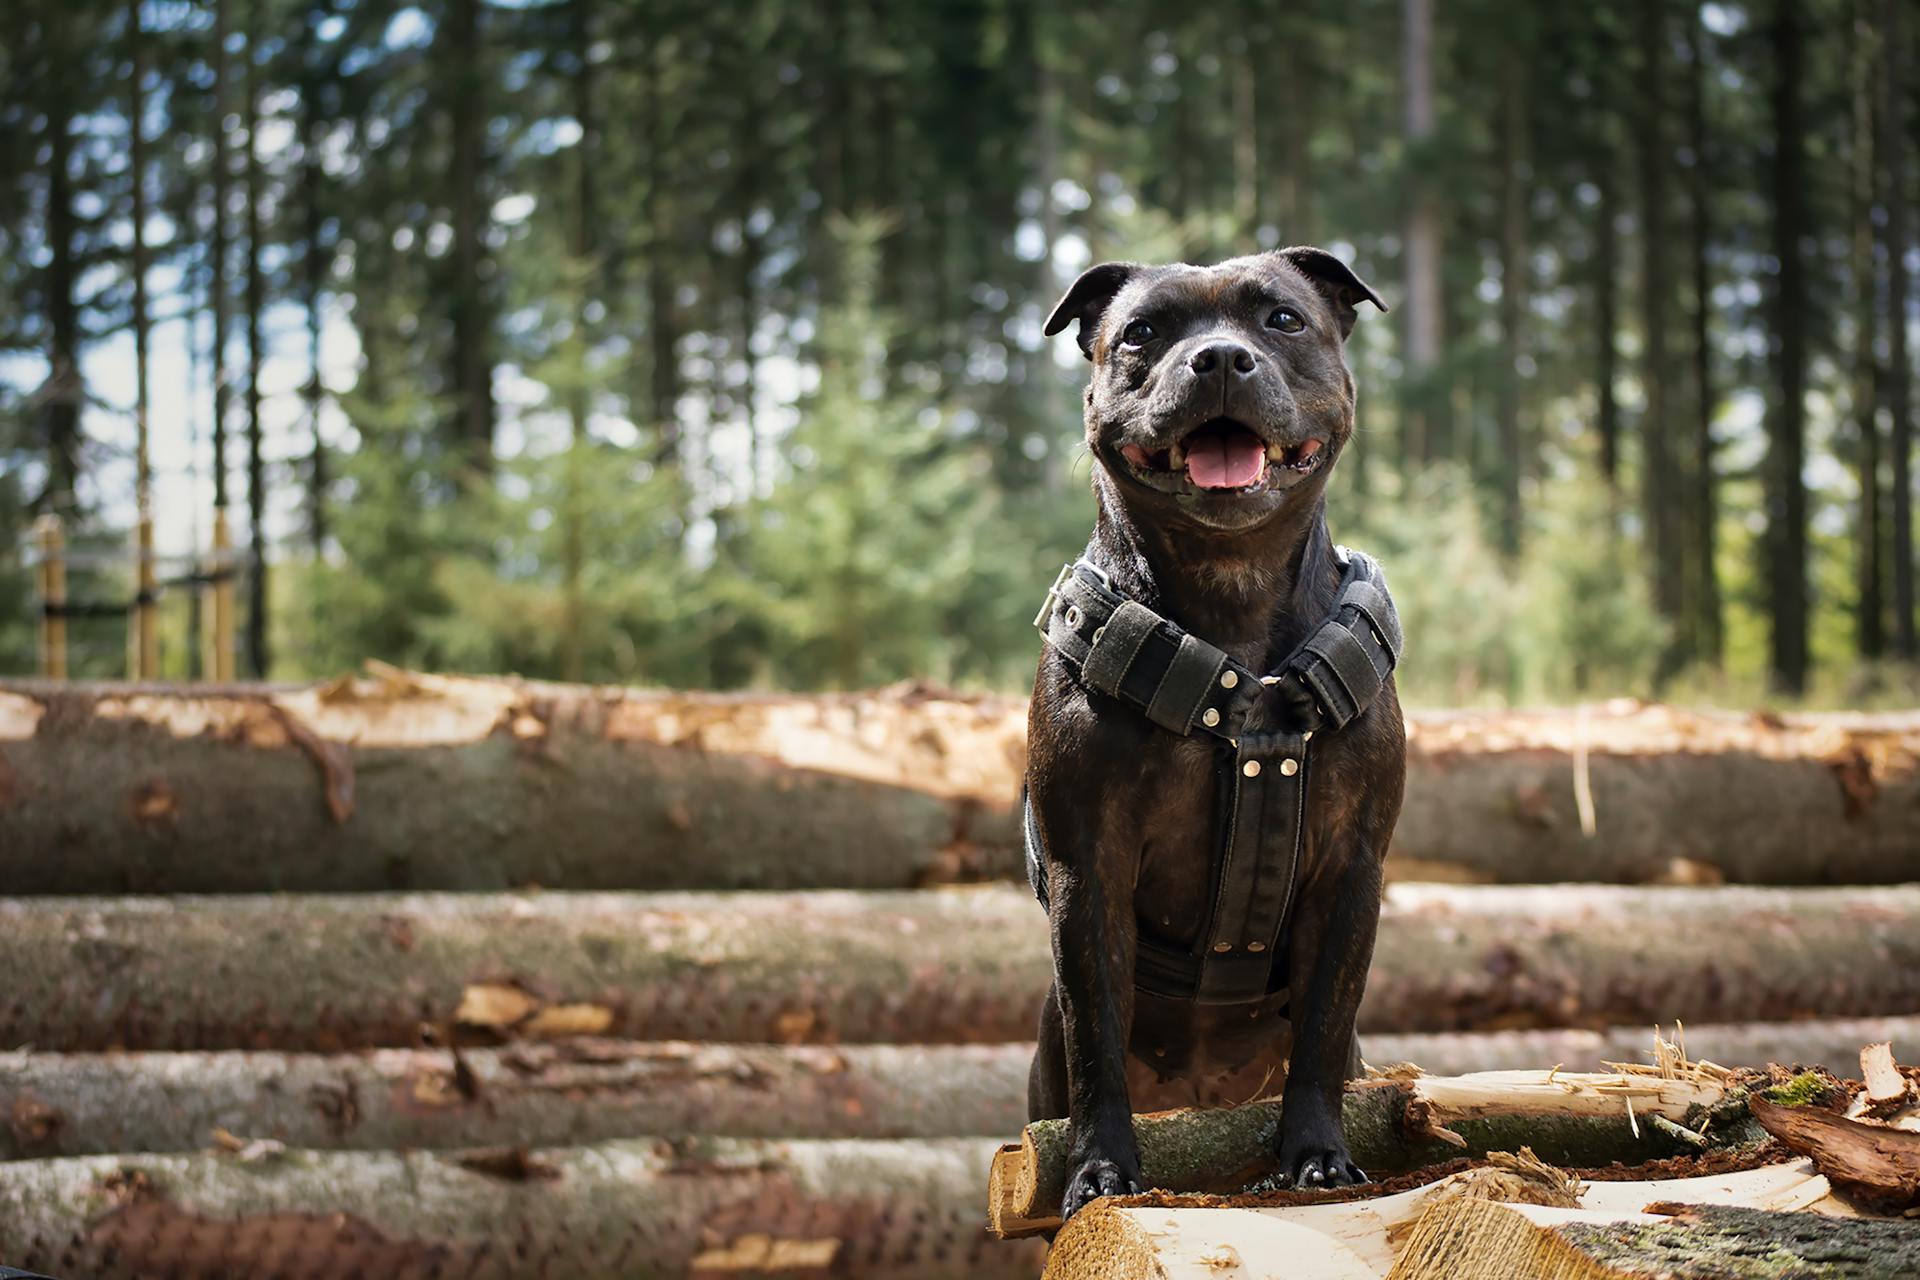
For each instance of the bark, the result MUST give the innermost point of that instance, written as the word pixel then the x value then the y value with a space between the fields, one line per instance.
pixel 1876 1161
pixel 1786 542
pixel 257 656
pixel 217 253
pixel 1870 628
pixel 657 213
pixel 1167 1236
pixel 1684 1242
pixel 1424 419
pixel 1606 322
pixel 1659 484
pixel 1574 1121
pixel 410 781
pixel 594 1090
pixel 64 391
pixel 964 966
pixel 1709 636
pixel 1892 149
pixel 316 262
pixel 864 1209
pixel 417 782
pixel 1513 275
pixel 535 1094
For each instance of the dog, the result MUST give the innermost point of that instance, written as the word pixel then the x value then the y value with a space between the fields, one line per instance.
pixel 1219 403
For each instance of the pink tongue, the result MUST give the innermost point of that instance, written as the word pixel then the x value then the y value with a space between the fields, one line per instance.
pixel 1225 460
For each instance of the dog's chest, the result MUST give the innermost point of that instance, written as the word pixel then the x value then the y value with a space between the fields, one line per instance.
pixel 1177 814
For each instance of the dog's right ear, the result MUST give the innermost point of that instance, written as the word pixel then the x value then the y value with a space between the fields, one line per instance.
pixel 1087 301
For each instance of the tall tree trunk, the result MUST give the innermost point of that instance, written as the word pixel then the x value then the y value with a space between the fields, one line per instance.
pixel 219 252
pixel 579 407
pixel 1893 140
pixel 472 323
pixel 1709 630
pixel 257 657
pixel 1659 488
pixel 1606 320
pixel 1786 559
pixel 1513 274
pixel 1422 414
pixel 1870 626
pixel 314 285
pixel 64 391
pixel 662 329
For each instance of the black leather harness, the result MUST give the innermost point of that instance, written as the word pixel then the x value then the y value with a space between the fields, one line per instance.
pixel 1262 723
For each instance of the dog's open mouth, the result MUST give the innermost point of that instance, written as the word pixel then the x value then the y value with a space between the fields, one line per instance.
pixel 1223 454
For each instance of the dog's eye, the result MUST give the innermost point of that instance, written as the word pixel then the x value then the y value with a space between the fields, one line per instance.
pixel 1286 320
pixel 1137 334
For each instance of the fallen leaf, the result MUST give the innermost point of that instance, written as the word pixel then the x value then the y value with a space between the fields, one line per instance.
pixel 570 1020
pixel 494 1004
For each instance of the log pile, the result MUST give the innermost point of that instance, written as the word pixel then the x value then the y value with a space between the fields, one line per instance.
pixel 420 975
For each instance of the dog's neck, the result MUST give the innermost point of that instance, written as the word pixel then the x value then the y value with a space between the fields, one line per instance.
pixel 1261 589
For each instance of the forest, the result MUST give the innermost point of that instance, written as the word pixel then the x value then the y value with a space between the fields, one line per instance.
pixel 699 345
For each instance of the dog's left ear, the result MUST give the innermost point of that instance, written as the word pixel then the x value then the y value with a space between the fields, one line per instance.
pixel 1086 301
pixel 1335 281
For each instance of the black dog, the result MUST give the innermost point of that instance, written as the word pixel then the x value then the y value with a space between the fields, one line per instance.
pixel 1213 916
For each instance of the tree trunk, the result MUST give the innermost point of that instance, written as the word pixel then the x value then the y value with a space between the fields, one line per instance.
pixel 1513 275
pixel 1870 626
pixel 1786 561
pixel 1659 476
pixel 573 552
pixel 531 1094
pixel 472 323
pixel 418 782
pixel 218 287
pixel 1694 1242
pixel 862 1209
pixel 656 212
pixel 1424 419
pixel 466 784
pixel 1570 1120
pixel 1709 629
pixel 143 641
pixel 64 393
pixel 1606 323
pixel 1892 149
pixel 257 656
pixel 329 973
pixel 316 264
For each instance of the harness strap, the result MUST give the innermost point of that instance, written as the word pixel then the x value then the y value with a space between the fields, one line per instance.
pixel 1122 649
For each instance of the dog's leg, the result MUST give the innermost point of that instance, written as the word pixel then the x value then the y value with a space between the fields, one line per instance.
pixel 1093 947
pixel 1047 1080
pixel 1327 972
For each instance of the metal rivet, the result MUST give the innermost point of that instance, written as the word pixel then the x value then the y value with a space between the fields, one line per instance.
pixel 1210 717
pixel 1228 679
pixel 1289 766
pixel 1256 946
pixel 1097 633
pixel 1223 946
pixel 1251 768
pixel 1073 618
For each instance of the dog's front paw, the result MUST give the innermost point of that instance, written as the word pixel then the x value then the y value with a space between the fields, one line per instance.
pixel 1314 1158
pixel 1096 1175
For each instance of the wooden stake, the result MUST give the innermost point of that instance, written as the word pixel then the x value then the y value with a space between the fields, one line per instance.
pixel 53 596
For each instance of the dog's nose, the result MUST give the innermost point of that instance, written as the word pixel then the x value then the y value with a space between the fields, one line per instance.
pixel 1223 355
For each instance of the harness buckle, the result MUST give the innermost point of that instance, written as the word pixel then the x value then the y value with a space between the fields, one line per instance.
pixel 1045 616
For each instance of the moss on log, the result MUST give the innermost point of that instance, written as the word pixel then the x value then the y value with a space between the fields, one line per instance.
pixel 324 973
pixel 1571 1120
pixel 561 1094
pixel 407 781
pixel 707 1208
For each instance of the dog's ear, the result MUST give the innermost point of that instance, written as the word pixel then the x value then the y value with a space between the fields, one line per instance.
pixel 1336 282
pixel 1087 300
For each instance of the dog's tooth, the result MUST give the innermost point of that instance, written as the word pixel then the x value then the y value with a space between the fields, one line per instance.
pixel 1176 458
pixel 1276 453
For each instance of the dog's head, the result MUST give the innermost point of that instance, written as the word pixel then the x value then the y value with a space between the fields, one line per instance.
pixel 1218 392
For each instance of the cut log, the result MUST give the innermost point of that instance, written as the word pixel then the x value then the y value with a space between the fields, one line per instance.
pixel 1162 1237
pixel 402 780
pixel 703 1208
pixel 567 1093
pixel 1577 1120
pixel 572 1092
pixel 1482 1240
pixel 407 781
pixel 962 965
pixel 1677 795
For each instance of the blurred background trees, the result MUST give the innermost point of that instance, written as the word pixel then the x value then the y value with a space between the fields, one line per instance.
pixel 699 344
